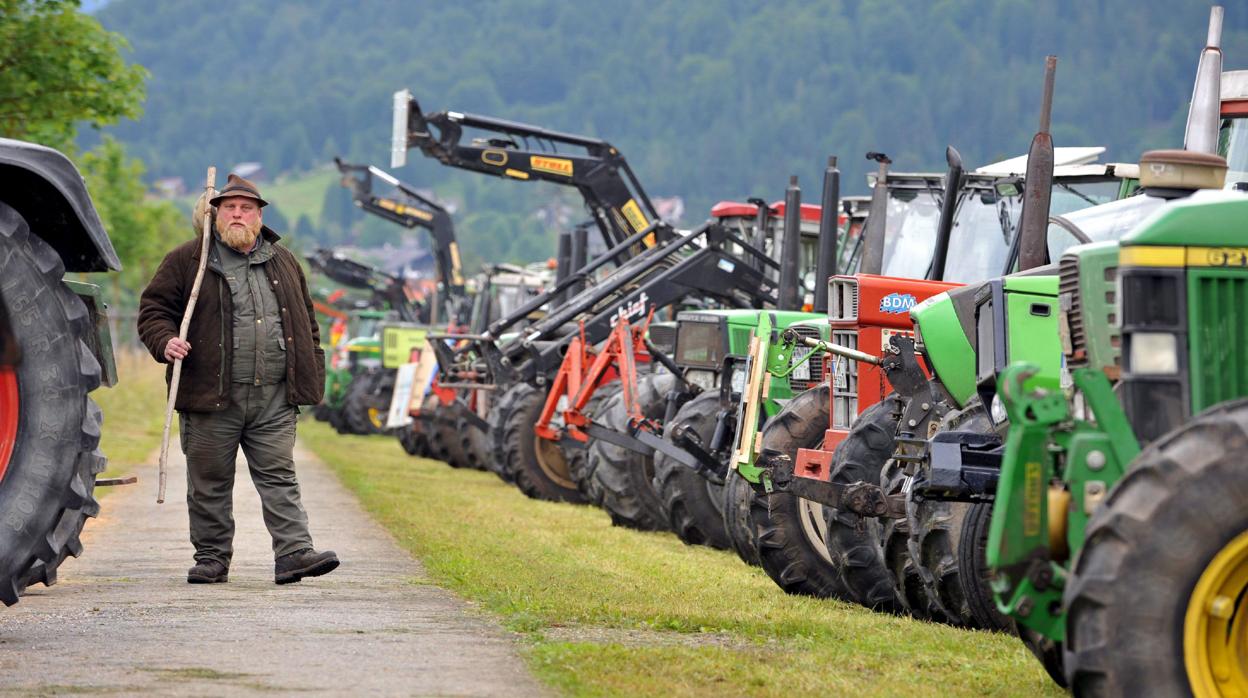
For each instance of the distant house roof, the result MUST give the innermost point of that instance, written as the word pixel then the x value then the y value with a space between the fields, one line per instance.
pixel 249 170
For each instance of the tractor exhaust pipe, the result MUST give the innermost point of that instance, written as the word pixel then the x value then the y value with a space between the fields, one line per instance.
pixel 789 297
pixel 762 222
pixel 1204 113
pixel 1033 222
pixel 948 208
pixel 873 233
pixel 563 260
pixel 828 230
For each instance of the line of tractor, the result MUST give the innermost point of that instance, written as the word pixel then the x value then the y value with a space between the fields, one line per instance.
pixel 1002 397
pixel 1007 397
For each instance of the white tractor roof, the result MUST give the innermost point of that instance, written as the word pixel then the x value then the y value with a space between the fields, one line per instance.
pixel 1235 84
pixel 1061 157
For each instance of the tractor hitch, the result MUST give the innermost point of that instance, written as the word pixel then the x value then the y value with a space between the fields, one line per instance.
pixel 862 498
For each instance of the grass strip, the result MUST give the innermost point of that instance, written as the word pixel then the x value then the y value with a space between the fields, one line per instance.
pixel 615 612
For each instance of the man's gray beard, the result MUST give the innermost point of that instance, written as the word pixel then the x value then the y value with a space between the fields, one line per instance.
pixel 238 238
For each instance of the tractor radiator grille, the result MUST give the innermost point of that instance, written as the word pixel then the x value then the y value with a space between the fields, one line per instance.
pixel 1068 294
pixel 844 381
pixel 1219 337
pixel 663 337
pixel 842 299
pixel 815 364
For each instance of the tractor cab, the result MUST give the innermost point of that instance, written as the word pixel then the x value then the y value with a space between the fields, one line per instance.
pixel 1233 128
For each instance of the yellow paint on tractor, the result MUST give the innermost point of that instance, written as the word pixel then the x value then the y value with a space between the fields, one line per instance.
pixel 1215 629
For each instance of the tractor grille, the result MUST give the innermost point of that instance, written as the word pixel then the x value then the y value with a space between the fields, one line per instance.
pixel 815 364
pixel 1219 335
pixel 663 337
pixel 844 381
pixel 739 339
pixel 842 299
pixel 1068 293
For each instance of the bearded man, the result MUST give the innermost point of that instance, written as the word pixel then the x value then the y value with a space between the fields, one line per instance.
pixel 251 356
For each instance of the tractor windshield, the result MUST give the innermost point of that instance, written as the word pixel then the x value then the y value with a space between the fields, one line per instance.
pixel 910 232
pixel 1075 195
pixel 1233 145
pixel 1099 223
pixel 983 229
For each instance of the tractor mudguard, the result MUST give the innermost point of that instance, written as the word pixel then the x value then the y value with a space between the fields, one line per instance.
pixel 46 188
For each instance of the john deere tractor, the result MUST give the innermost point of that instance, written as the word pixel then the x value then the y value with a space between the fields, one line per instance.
pixel 55 348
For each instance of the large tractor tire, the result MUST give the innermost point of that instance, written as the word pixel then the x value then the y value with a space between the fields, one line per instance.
pixel 413 442
pixel 856 542
pixel 947 542
pixel 738 523
pixel 622 480
pixel 445 438
pixel 539 466
pixel 473 443
pixel 360 411
pixel 1157 603
pixel 692 504
pixel 792 530
pixel 49 428
pixel 500 412
pixel 580 465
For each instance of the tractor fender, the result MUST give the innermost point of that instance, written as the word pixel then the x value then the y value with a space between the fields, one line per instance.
pixel 46 188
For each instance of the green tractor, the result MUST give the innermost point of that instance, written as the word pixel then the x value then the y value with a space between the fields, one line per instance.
pixel 353 369
pixel 55 348
pixel 1120 502
pixel 1124 508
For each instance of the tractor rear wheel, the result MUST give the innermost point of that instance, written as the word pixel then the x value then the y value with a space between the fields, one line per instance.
pixel 446 438
pixel 539 466
pixel 622 479
pixel 49 428
pixel 792 530
pixel 738 524
pixel 1157 602
pixel 692 504
pixel 855 542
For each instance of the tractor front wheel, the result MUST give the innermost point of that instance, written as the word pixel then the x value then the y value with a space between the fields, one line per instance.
pixel 692 503
pixel 738 524
pixel 855 542
pixel 539 466
pixel 792 530
pixel 621 479
pixel 1157 603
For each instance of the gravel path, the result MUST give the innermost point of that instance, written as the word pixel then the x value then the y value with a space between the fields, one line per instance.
pixel 123 620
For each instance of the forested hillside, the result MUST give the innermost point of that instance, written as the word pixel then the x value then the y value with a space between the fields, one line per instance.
pixel 708 100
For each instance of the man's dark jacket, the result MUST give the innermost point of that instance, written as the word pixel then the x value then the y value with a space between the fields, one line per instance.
pixel 205 382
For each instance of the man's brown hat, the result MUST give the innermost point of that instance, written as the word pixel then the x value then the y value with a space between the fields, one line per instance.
pixel 237 186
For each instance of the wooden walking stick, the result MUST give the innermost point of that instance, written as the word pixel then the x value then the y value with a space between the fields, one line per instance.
pixel 209 188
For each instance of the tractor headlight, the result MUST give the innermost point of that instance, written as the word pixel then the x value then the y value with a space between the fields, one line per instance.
pixel 1154 353
pixel 738 379
pixel 997 411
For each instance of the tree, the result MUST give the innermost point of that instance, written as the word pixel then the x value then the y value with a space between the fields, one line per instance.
pixel 142 231
pixel 59 68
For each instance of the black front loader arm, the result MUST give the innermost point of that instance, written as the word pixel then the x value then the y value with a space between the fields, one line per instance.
pixel 385 287
pixel 612 193
pixel 414 211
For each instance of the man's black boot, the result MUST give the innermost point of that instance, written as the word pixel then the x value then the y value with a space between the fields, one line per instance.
pixel 304 563
pixel 208 572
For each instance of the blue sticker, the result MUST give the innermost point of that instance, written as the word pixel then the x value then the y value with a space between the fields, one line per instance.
pixel 897 303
